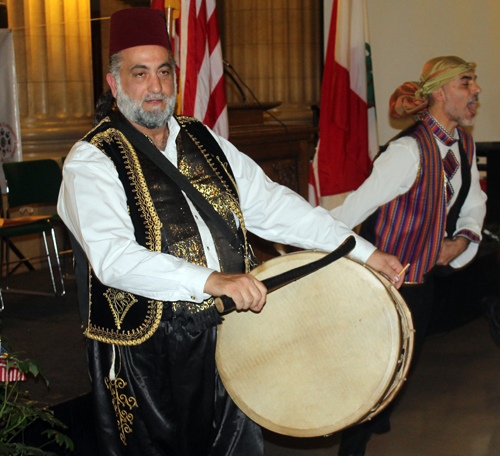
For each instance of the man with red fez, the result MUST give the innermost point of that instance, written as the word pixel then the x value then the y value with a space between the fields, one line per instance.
pixel 157 256
pixel 422 201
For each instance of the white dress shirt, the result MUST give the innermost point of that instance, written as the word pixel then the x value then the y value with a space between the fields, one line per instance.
pixel 93 205
pixel 394 173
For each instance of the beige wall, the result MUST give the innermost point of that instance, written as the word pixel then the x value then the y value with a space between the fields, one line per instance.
pixel 405 34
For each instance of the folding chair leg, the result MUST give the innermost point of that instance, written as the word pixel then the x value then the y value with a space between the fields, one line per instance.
pixel 52 258
pixel 49 261
pixel 56 255
pixel 11 246
pixel 2 242
pixel 7 259
pixel 4 255
pixel 58 261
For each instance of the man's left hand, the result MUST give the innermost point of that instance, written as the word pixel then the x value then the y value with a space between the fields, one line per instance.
pixel 451 249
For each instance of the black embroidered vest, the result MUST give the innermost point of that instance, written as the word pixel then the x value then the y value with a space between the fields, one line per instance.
pixel 164 223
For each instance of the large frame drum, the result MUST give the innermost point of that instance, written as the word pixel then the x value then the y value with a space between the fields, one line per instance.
pixel 327 351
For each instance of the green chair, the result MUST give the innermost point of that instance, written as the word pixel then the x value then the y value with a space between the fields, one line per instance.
pixel 31 183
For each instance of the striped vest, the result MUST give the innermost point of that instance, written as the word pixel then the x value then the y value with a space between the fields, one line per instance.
pixel 412 226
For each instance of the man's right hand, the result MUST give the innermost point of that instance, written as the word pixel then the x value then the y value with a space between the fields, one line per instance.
pixel 246 291
pixel 387 265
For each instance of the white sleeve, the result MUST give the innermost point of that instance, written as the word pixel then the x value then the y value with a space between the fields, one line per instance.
pixel 278 214
pixel 93 205
pixel 471 218
pixel 393 174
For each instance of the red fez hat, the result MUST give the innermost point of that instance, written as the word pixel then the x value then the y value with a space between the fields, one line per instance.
pixel 139 26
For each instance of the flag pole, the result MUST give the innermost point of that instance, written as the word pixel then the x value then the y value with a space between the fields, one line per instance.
pixel 171 9
pixel 172 12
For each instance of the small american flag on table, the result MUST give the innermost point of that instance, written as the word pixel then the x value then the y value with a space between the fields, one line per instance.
pixel 14 373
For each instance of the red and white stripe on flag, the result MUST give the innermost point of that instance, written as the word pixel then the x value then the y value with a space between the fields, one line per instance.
pixel 14 373
pixel 201 70
pixel 348 133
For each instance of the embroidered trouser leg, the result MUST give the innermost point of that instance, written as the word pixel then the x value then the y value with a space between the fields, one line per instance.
pixel 166 398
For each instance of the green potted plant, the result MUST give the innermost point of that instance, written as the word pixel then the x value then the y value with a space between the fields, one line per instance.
pixel 18 411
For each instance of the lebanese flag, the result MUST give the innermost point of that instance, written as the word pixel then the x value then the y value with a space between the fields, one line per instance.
pixel 347 126
pixel 202 85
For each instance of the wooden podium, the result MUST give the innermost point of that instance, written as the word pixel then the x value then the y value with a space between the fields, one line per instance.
pixel 283 152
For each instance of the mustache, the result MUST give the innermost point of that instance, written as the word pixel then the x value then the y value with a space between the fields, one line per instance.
pixel 159 96
pixel 474 99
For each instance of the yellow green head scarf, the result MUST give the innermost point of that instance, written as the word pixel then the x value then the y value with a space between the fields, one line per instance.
pixel 412 97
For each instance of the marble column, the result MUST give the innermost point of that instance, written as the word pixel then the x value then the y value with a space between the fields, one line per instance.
pixel 275 46
pixel 52 45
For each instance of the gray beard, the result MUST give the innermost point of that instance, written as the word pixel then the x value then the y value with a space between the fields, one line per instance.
pixel 134 112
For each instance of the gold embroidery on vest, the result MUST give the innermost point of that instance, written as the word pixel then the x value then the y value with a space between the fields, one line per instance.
pixel 224 203
pixel 236 208
pixel 153 227
pixel 144 201
pixel 193 307
pixel 143 198
pixel 120 403
pixel 135 337
pixel 120 303
pixel 189 249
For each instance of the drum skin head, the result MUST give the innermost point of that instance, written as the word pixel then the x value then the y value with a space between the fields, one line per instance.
pixel 321 355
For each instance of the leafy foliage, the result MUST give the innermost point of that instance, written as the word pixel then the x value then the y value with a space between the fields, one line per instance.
pixel 17 412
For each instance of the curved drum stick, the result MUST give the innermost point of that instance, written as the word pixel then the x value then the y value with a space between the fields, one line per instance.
pixel 225 303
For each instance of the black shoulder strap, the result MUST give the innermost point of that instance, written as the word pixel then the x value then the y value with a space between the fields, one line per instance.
pixel 143 144
pixel 454 212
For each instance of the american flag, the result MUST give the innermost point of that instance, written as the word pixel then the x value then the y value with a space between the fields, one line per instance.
pixel 14 373
pixel 201 70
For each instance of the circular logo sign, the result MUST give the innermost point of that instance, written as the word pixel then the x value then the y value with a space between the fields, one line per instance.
pixel 8 142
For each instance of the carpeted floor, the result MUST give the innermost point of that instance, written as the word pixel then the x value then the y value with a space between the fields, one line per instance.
pixel 47 329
